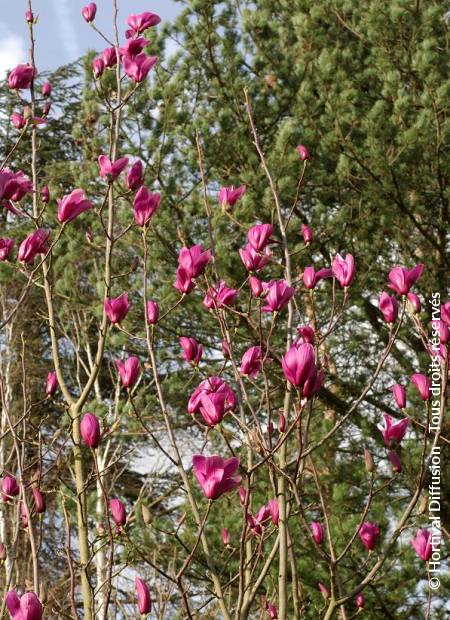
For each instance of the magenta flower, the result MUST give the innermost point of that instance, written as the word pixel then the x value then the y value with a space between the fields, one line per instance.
pixel 183 283
pixel 394 432
pixel 324 590
pixel 257 286
pixel 10 488
pixel 143 596
pixel 194 260
pixel 360 601
pixel 90 430
pixel 226 349
pixel 210 386
pixel 6 246
pixel 45 194
pixel 138 68
pixel 281 422
pixel 303 152
pixel 128 371
pixel 13 187
pixel 402 279
pixel 225 536
pixel 39 501
pixel 109 56
pixel 317 532
pixel 18 120
pixel 98 66
pixel 274 510
pixel 133 47
pixel 72 205
pixel 140 23
pixel 213 407
pixel 152 312
pixel 306 334
pixel 29 17
pixel 444 332
pixel 388 307
pixel 413 303
pixel 220 296
pixel 135 176
pixel 251 362
pixel 51 384
pixel 35 243
pixel 228 196
pixel 111 169
pixel 21 77
pixel 192 350
pixel 23 513
pixel 395 462
pixel 311 277
pixel 27 607
pixel 300 369
pixel 422 384
pixel 253 260
pixel 118 513
pixel 278 296
pixel 116 309
pixel 88 12
pixel 343 269
pixel 216 475
pixel 307 234
pixel 145 204
pixel 369 533
pixel 47 89
pixel 272 611
pixel 399 393
pixel 422 544
pixel 258 236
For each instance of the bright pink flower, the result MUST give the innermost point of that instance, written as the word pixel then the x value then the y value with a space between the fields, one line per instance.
pixel 192 350
pixel 143 596
pixel 71 205
pixel 128 371
pixel 13 187
pixel 388 307
pixel 413 303
pixel 257 286
pixel 21 77
pixel 307 234
pixel 90 430
pixel 133 47
pixel 360 600
pixel 45 110
pixel 138 68
pixel 109 56
pixel 216 475
pixel 29 17
pixel 18 120
pixel 10 488
pixel 258 236
pixel 369 533
pixel 98 66
pixel 228 196
pixel 253 260
pixel 135 176
pixel 444 332
pixel 51 384
pixel 402 279
pixel 213 407
pixel 45 194
pixel 145 204
pixel 225 536
pixel 23 513
pixel 317 532
pixel 395 462
pixel 300 369
pixel 220 296
pixel 210 386
pixel 251 362
pixel 47 89
pixel 139 23
pixel 194 260
pixel 116 308
pixel 118 512
pixel 422 544
pixel 281 422
pixel 39 501
pixel 183 283
pixel 274 510
pixel 89 12
pixel 242 492
pixel 303 152
pixel 6 246
pixel 394 432
pixel 422 384
pixel 152 312
pixel 278 296
pixel 35 243
pixel 311 277
pixel 306 334
pixel 399 393
pixel 324 590
pixel 28 607
pixel 343 269
pixel 111 169
pixel 272 611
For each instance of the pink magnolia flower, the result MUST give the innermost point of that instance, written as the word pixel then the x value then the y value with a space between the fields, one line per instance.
pixel 299 364
pixel 394 432
pixel 133 47
pixel 225 536
pixel 422 384
pixel 272 611
pixel 303 152
pixel 402 279
pixel 18 120
pixel 27 607
pixel 98 67
pixel 194 260
pixel 360 601
pixel 90 430
pixel 128 371
pixel 143 596
pixel 311 277
pixel 192 350
pixel 6 246
pixel 109 56
pixel 183 283
pixel 13 187
pixel 21 77
pixel 399 393
pixel 242 492
pixel 39 501
pixel 444 332
pixel 251 362
pixel 138 68
pixel 213 407
pixel 210 386
pixel 317 532
pixel 258 236
pixel 413 303
pixel 369 533
pixel 274 510
pixel 257 286
pixel 116 309
pixel 395 462
pixel 45 194
pixel 35 243
pixel 111 169
pixel 139 23
pixel 306 334
pixel 51 384
pixel 10 488
pixel 226 349
pixel 88 12
pixel 220 296
pixel 29 17
pixel 343 269
pixel 118 512
pixel 145 204
pixel 71 205
pixel 216 475
pixel 324 590
pixel 253 260
pixel 422 544
pixel 307 234
pixel 152 312
pixel 278 296
pixel 135 176
pixel 388 307
pixel 46 89
pixel 228 196
pixel 281 422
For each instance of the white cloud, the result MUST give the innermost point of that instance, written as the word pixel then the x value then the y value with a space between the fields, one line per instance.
pixel 67 31
pixel 12 52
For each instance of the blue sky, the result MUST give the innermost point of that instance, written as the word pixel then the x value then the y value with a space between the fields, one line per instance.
pixel 61 33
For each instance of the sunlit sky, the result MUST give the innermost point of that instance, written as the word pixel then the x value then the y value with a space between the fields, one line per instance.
pixel 61 33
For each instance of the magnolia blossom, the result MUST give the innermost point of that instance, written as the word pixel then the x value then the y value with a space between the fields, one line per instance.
pixel 216 475
pixel 395 462
pixel 306 334
pixel 312 277
pixel 134 46
pixel 317 532
pixel 369 533
pixel 89 12
pixel 6 246
pixel 152 312
pixel 225 536
pixel 303 152
pixel 402 279
pixel 72 205
pixel 253 260
pixel 258 236
pixel 360 601
pixel 138 68
pixel 251 362
pixel 300 369
pixel 307 234
pixel 213 407
pixel 413 303
pixel 192 350
pixel 13 187
pixel 228 196
pixel 90 430
pixel 34 244
pixel 399 393
pixel 145 204
pixel 211 386
pixel 51 384
pixel 18 120
pixel 118 512
pixel 194 260
pixel 27 607
pixel 111 169
pixel 45 194
pixel 142 21
pixel 422 384
pixel 98 66
pixel 135 176
pixel 257 286
pixel 39 501
pixel 388 307
pixel 143 596
pixel 220 296
pixel 116 309
pixel 10 488
pixel 343 269
pixel 422 544
pixel 46 89
pixel 21 77
pixel 394 432
pixel 279 294
pixel 128 371
pixel 272 611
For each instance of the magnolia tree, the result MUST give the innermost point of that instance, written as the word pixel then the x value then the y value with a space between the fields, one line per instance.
pixel 251 493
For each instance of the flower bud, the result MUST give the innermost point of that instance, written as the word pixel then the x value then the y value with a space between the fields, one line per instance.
pixel 146 514
pixel 90 430
pixel 303 152
pixel 281 422
pixel 45 194
pixel 152 312
pixel 226 536
pixel 39 501
pixel 370 465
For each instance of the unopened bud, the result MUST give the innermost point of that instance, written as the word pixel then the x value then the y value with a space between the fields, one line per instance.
pixel 146 514
pixel 423 505
pixel 370 465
